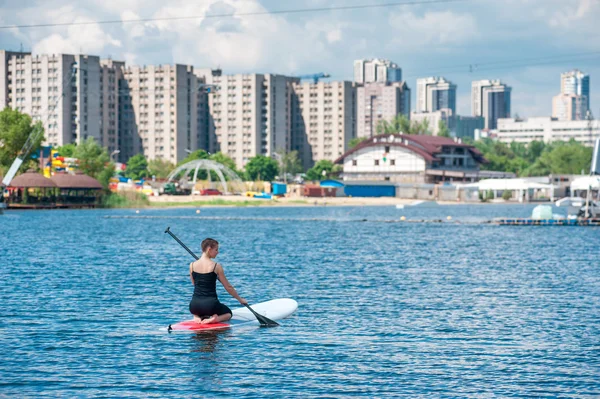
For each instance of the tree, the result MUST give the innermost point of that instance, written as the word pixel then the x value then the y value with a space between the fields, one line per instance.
pixel 356 141
pixel 262 168
pixel 15 128
pixel 67 150
pixel 160 168
pixel 289 161
pixel 563 158
pixel 223 159
pixel 137 167
pixel 93 158
pixel 316 172
pixel 399 124
pixel 402 125
pixel 443 130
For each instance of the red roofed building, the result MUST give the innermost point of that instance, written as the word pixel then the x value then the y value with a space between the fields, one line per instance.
pixel 412 158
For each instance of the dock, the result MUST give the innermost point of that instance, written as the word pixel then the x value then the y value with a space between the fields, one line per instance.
pixel 546 222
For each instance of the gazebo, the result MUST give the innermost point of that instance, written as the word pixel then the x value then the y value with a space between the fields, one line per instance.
pixel 31 190
pixel 76 190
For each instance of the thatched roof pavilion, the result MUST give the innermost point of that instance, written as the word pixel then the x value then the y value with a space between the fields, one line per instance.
pixel 78 181
pixel 31 179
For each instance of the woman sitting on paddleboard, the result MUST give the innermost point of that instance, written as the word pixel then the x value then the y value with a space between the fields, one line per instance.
pixel 204 272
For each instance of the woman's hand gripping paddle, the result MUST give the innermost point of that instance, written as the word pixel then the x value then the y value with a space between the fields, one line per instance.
pixel 264 321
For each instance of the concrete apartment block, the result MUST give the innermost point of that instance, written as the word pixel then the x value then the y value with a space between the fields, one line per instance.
pixel 63 91
pixel 376 70
pixel 435 93
pixel 160 107
pixel 251 115
pixel 491 100
pixel 577 83
pixel 380 101
pixel 323 121
pixel 569 107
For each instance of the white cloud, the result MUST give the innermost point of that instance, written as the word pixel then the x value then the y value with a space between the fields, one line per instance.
pixel 438 28
pixel 419 38
pixel 86 39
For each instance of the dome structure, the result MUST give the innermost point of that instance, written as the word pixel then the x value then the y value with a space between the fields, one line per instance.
pixel 228 180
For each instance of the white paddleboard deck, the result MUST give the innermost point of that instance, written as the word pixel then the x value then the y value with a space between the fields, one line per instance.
pixel 275 309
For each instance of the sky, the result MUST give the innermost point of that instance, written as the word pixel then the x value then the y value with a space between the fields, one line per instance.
pixel 524 43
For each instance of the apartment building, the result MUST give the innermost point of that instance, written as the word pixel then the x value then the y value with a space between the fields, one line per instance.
pixel 376 70
pixel 250 115
pixel 111 73
pixel 63 91
pixel 323 120
pixel 491 100
pixel 434 94
pixel 163 112
pixel 380 101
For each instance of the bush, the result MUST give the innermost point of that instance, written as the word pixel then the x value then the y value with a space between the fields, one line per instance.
pixel 506 195
pixel 124 199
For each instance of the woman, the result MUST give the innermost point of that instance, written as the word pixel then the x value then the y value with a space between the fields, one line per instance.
pixel 204 272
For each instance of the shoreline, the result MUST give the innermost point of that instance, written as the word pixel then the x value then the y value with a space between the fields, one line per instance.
pixel 196 201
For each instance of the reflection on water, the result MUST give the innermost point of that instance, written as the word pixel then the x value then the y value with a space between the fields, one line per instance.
pixel 207 341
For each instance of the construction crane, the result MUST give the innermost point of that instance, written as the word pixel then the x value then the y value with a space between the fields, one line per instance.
pixel 315 76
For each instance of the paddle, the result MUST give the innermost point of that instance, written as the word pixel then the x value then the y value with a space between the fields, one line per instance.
pixel 264 321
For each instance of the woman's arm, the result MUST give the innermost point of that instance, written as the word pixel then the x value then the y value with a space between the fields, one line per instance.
pixel 227 285
pixel 191 272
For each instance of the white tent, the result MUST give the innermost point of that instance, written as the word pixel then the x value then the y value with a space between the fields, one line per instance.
pixel 508 184
pixel 521 185
pixel 585 182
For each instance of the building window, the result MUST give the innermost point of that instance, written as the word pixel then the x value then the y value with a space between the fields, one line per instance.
pixel 377 162
pixel 354 162
pixel 387 148
pixel 392 162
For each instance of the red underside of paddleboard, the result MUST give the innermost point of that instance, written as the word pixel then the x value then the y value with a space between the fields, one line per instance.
pixel 191 325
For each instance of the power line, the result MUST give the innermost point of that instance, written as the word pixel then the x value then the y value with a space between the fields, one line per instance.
pixel 247 14
pixel 511 64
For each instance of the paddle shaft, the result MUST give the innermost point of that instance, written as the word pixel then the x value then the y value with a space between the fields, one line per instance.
pixel 264 321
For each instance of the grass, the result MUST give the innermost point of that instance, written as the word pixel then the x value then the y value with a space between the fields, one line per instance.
pixel 218 202
pixel 222 202
pixel 125 199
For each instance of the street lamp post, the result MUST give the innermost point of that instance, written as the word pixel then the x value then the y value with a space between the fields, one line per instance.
pixel 115 152
pixel 278 156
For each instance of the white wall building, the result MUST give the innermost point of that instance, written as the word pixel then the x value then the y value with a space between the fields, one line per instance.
pixel 380 101
pixel 547 129
pixel 411 158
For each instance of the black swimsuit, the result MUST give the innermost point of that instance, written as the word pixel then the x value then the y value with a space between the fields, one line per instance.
pixel 204 301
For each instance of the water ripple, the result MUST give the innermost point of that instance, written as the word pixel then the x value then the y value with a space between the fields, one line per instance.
pixel 386 309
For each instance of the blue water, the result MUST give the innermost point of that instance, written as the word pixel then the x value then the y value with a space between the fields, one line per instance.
pixel 452 309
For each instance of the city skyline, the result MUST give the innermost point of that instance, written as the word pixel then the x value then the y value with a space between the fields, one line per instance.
pixel 457 40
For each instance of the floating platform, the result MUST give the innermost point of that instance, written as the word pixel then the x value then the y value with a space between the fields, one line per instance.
pixel 546 222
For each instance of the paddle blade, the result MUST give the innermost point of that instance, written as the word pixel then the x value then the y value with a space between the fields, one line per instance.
pixel 263 320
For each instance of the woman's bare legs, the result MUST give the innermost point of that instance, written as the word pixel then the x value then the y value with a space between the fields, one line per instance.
pixel 216 318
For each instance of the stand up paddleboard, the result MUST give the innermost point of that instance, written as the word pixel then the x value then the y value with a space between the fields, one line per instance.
pixel 275 309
